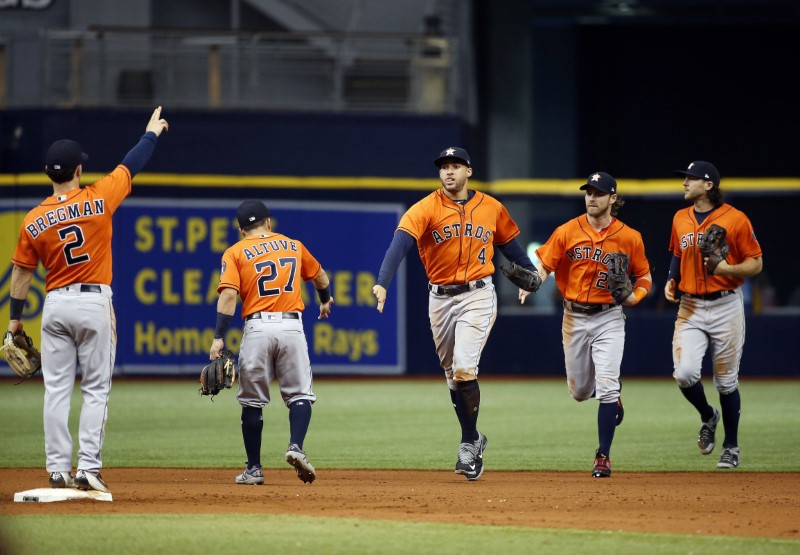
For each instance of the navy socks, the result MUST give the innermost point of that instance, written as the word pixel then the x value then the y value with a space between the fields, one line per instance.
pixel 731 405
pixel 299 419
pixel 252 424
pixel 697 397
pixel 466 401
pixel 606 425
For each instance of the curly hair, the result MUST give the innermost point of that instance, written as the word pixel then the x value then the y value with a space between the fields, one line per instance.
pixel 619 203
pixel 714 195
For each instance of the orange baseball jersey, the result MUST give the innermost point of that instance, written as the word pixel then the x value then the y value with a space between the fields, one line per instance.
pixel 455 242
pixel 71 233
pixel 578 254
pixel 268 271
pixel 739 236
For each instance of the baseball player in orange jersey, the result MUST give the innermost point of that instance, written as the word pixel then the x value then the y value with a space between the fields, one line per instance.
pixel 456 230
pixel 593 327
pixel 70 234
pixel 711 308
pixel 267 270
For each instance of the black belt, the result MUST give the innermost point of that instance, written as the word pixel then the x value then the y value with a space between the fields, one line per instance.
pixel 85 288
pixel 711 296
pixel 586 308
pixel 453 290
pixel 286 315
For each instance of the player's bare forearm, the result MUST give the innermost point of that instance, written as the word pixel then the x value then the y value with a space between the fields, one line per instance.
pixel 749 267
pixel 322 280
pixel 20 282
pixel 542 272
pixel 226 304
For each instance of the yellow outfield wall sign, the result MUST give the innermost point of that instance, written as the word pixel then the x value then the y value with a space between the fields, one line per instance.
pixel 167 255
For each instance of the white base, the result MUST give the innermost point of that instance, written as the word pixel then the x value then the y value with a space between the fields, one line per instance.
pixel 49 495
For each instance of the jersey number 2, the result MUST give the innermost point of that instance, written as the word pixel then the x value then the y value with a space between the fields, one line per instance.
pixel 269 271
pixel 77 240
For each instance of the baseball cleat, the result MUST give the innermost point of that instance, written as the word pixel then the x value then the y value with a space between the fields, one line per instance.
pixel 251 476
pixel 86 480
pixel 602 465
pixel 62 480
pixel 470 458
pixel 480 445
pixel 706 437
pixel 729 458
pixel 297 458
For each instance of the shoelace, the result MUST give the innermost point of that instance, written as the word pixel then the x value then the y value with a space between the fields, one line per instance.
pixel 705 434
pixel 467 453
pixel 727 457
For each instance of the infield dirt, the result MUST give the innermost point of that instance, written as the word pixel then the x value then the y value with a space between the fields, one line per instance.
pixel 731 503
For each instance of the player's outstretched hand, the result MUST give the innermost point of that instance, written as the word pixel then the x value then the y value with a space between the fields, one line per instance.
pixel 522 296
pixel 325 309
pixel 380 295
pixel 156 124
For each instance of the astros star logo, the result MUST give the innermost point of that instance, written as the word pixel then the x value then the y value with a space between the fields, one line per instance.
pixel 596 177
pixel 450 151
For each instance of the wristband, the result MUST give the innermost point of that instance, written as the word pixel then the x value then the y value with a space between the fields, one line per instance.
pixel 222 324
pixel 639 294
pixel 16 306
pixel 324 294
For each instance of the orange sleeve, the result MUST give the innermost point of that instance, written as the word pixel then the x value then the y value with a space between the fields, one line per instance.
pixel 25 254
pixel 416 219
pixel 115 187
pixel 550 253
pixel 507 228
pixel 229 272
pixel 309 266
pixel 640 266
pixel 745 239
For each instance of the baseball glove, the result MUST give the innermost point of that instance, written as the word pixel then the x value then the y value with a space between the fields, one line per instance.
pixel 619 281
pixel 219 374
pixel 23 358
pixel 522 277
pixel 713 247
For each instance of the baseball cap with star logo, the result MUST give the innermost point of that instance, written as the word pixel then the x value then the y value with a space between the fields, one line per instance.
pixel 454 153
pixel 701 170
pixel 602 182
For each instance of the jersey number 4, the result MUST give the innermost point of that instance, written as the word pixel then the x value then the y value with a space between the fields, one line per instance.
pixel 73 237
pixel 268 271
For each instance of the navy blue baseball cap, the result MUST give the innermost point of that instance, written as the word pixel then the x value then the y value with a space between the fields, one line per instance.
pixel 701 170
pixel 64 154
pixel 454 153
pixel 251 211
pixel 602 182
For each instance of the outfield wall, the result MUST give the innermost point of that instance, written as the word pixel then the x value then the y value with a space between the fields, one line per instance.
pixel 359 173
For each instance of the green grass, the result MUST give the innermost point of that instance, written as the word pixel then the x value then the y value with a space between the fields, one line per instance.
pixel 389 424
pixel 178 534
pixel 372 423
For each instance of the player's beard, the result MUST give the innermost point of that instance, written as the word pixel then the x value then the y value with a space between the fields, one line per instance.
pixel 602 207
pixel 455 189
